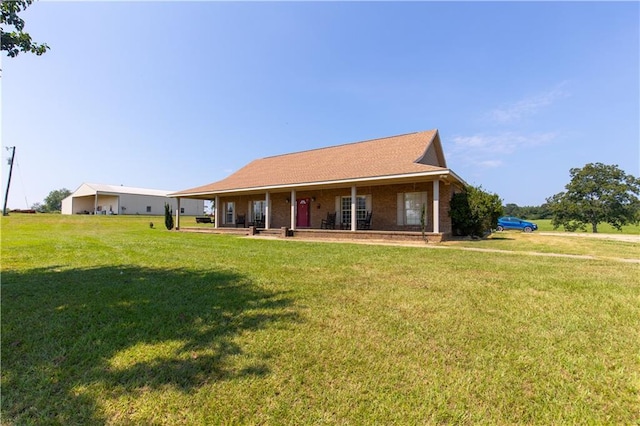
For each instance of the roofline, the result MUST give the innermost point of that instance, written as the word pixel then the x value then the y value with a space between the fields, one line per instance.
pixel 165 195
pixel 343 144
pixel 128 190
pixel 444 172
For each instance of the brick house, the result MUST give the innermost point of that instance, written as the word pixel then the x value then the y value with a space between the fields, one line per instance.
pixel 391 182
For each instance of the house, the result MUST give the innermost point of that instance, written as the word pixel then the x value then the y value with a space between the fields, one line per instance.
pixel 91 198
pixel 398 183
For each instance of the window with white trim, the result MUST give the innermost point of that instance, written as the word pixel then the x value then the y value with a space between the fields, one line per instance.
pixel 229 212
pixel 363 205
pixel 257 210
pixel 411 206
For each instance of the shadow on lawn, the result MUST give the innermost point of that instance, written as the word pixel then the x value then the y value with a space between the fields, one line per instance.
pixel 70 337
pixel 492 237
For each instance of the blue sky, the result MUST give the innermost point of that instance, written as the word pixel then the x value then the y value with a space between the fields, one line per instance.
pixel 172 95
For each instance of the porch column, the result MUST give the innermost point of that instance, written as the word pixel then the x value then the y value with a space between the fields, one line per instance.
pixel 354 212
pixel 95 204
pixel 293 209
pixel 216 212
pixel 267 211
pixel 436 206
pixel 178 215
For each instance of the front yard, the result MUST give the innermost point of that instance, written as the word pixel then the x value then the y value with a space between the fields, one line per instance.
pixel 106 320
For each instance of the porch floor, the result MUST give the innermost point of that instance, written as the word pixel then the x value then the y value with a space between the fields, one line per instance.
pixel 322 234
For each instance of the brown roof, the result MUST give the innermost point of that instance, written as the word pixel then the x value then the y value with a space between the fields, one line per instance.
pixel 396 155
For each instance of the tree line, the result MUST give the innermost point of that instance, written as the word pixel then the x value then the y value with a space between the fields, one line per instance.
pixel 597 193
pixel 528 212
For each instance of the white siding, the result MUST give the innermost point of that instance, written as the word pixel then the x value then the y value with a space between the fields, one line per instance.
pixel 128 202
pixel 67 205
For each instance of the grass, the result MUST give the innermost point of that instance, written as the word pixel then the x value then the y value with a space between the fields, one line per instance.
pixel 544 225
pixel 105 320
pixel 519 242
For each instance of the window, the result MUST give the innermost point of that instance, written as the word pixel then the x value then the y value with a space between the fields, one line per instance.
pixel 181 210
pixel 148 209
pixel 229 212
pixel 363 205
pixel 410 205
pixel 257 210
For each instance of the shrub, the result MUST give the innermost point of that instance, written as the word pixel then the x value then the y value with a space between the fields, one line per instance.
pixel 474 212
pixel 168 217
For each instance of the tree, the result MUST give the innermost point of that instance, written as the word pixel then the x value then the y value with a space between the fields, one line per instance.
pixel 474 211
pixel 512 209
pixel 168 217
pixel 527 212
pixel 17 40
pixel 596 193
pixel 38 207
pixel 53 201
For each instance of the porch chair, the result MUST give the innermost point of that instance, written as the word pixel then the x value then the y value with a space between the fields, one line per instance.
pixel 241 220
pixel 365 223
pixel 260 221
pixel 329 222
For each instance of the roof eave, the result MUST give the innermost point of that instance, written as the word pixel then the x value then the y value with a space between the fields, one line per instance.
pixel 442 174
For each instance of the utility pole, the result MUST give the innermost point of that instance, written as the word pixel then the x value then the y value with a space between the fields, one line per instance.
pixel 6 195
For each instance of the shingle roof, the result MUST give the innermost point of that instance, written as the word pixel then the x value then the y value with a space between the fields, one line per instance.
pixel 396 155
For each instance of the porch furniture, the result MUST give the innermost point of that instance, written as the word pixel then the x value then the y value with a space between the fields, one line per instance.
pixel 259 222
pixel 205 219
pixel 329 222
pixel 241 220
pixel 365 223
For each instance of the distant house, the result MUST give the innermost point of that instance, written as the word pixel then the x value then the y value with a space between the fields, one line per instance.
pixel 91 198
pixel 396 183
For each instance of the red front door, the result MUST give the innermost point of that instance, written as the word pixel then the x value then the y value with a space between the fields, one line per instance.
pixel 303 219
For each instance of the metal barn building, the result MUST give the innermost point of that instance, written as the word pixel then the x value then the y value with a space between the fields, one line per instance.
pixel 91 198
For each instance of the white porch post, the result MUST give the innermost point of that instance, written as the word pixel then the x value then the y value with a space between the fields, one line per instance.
pixel 293 209
pixel 216 213
pixel 267 211
pixel 178 215
pixel 354 212
pixel 436 206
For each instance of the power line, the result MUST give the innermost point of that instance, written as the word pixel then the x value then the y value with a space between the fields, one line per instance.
pixel 24 189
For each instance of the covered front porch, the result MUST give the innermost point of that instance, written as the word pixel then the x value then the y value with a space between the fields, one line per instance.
pixel 401 208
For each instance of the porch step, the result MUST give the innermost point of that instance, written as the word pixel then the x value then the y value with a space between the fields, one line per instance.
pixel 270 232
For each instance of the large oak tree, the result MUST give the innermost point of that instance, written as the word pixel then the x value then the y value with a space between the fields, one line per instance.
pixel 597 193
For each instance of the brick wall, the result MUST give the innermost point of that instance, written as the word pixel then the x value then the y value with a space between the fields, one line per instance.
pixel 383 204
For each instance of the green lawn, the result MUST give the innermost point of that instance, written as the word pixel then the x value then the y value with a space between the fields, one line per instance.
pixel 567 244
pixel 105 320
pixel 544 225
